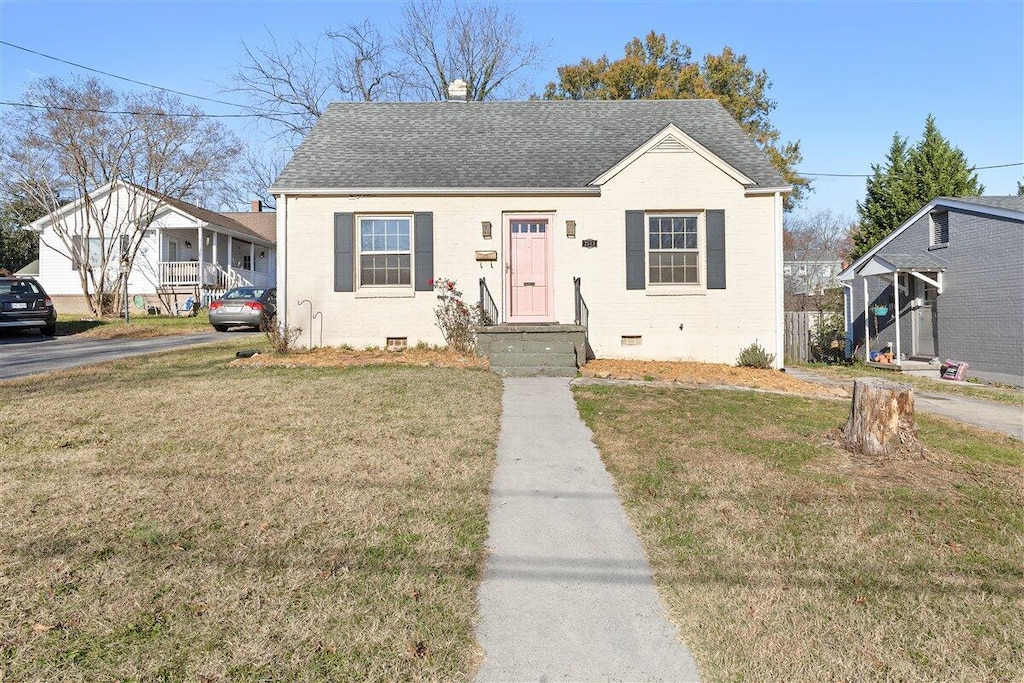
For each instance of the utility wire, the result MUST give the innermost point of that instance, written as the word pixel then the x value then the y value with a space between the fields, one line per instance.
pixel 124 78
pixel 130 113
pixel 868 175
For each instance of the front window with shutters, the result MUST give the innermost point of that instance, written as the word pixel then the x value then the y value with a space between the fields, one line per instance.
pixel 672 250
pixel 385 251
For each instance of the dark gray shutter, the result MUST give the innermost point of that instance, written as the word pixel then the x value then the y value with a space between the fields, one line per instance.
pixel 423 239
pixel 635 277
pixel 344 265
pixel 715 223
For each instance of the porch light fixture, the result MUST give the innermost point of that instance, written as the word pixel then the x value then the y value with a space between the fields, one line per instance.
pixel 263 254
pixel 188 245
pixel 570 229
pixel 485 229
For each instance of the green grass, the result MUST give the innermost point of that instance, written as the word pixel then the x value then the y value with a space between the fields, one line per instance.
pixel 783 557
pixel 174 518
pixel 138 325
pixel 1001 394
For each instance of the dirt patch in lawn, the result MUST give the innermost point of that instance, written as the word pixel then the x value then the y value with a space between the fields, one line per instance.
pixel 340 358
pixel 705 373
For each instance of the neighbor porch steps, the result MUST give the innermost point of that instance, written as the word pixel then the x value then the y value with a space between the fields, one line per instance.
pixel 533 350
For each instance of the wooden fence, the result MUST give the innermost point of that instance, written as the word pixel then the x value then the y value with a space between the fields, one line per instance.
pixel 800 325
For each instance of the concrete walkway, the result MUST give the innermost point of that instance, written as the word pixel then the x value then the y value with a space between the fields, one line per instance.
pixel 567 594
pixel 998 417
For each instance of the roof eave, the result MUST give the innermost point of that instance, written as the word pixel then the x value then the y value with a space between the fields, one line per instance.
pixel 588 191
pixel 751 191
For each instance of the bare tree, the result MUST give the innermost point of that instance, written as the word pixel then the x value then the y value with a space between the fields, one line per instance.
pixel 480 43
pixel 116 155
pixel 815 245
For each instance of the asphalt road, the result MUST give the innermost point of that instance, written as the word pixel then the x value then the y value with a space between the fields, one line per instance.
pixel 28 354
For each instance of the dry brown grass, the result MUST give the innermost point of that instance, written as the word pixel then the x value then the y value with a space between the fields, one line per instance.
pixel 139 327
pixel 334 357
pixel 688 372
pixel 783 558
pixel 172 518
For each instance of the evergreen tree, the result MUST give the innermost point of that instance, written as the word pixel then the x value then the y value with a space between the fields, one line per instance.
pixel 910 178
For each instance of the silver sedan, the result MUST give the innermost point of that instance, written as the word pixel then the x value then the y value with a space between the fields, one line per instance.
pixel 248 306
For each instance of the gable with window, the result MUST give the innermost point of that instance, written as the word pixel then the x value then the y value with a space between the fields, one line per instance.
pixel 383 252
pixel 664 251
pixel 938 223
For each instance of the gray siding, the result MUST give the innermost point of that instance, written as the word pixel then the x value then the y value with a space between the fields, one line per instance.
pixel 980 314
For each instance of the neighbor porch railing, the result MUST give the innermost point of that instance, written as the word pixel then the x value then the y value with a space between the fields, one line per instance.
pixel 179 273
pixel 214 275
pixel 488 309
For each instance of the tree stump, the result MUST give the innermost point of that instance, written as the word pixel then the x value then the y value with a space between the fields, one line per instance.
pixel 881 418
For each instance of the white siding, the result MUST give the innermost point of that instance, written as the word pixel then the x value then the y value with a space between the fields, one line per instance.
pixel 716 324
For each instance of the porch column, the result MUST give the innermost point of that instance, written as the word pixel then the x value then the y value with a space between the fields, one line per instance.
pixel 252 262
pixel 896 306
pixel 231 264
pixel 867 327
pixel 160 257
pixel 201 256
pixel 215 251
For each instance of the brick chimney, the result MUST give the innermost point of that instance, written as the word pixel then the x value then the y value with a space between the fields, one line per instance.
pixel 257 206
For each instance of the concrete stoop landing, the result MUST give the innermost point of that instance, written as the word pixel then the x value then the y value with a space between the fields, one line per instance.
pixel 533 349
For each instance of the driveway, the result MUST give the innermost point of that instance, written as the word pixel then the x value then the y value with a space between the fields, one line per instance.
pixel 998 417
pixel 23 355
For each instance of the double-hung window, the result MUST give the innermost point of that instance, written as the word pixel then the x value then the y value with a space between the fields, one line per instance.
pixel 385 251
pixel 673 253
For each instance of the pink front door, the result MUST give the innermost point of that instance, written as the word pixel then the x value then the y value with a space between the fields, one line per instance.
pixel 529 276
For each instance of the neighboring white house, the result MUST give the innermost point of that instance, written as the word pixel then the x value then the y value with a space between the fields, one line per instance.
pixel 186 250
pixel 663 215
pixel 811 272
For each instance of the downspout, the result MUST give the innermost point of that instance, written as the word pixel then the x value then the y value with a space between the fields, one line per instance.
pixel 282 263
pixel 848 317
pixel 779 299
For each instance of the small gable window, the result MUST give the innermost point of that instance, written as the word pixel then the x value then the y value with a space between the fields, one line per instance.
pixel 939 223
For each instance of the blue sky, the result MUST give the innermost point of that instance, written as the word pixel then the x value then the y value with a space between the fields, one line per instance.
pixel 846 75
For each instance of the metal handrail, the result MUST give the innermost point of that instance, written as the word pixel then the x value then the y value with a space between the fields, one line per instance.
pixel 582 312
pixel 488 309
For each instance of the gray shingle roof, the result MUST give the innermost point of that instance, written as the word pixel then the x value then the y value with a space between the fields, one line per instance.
pixel 535 144
pixel 913 261
pixel 1007 202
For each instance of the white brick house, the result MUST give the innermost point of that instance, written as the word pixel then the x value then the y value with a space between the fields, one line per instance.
pixel 664 212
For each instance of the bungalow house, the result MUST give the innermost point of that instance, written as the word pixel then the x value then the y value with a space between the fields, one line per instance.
pixel 946 284
pixel 656 226
pixel 185 251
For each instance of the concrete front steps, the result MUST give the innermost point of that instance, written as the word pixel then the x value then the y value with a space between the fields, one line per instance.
pixel 533 350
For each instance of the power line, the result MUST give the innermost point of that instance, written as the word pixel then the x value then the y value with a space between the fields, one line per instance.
pixel 123 78
pixel 868 175
pixel 129 113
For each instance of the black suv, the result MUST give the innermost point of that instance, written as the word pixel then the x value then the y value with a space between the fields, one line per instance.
pixel 24 304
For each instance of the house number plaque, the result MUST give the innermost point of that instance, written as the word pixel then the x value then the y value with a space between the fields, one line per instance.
pixel 589 244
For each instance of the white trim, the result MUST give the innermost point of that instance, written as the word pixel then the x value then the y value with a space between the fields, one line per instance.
pixel 358 192
pixel 851 271
pixel 754 191
pixel 937 284
pixel 780 340
pixel 282 263
pixel 671 130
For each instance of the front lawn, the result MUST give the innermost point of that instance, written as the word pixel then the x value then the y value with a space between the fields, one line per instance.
pixel 784 558
pixel 138 327
pixel 172 518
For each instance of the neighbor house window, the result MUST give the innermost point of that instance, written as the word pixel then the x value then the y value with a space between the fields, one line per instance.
pixel 385 252
pixel 939 228
pixel 672 250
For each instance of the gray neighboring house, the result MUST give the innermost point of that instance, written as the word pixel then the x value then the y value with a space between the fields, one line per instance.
pixel 959 267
